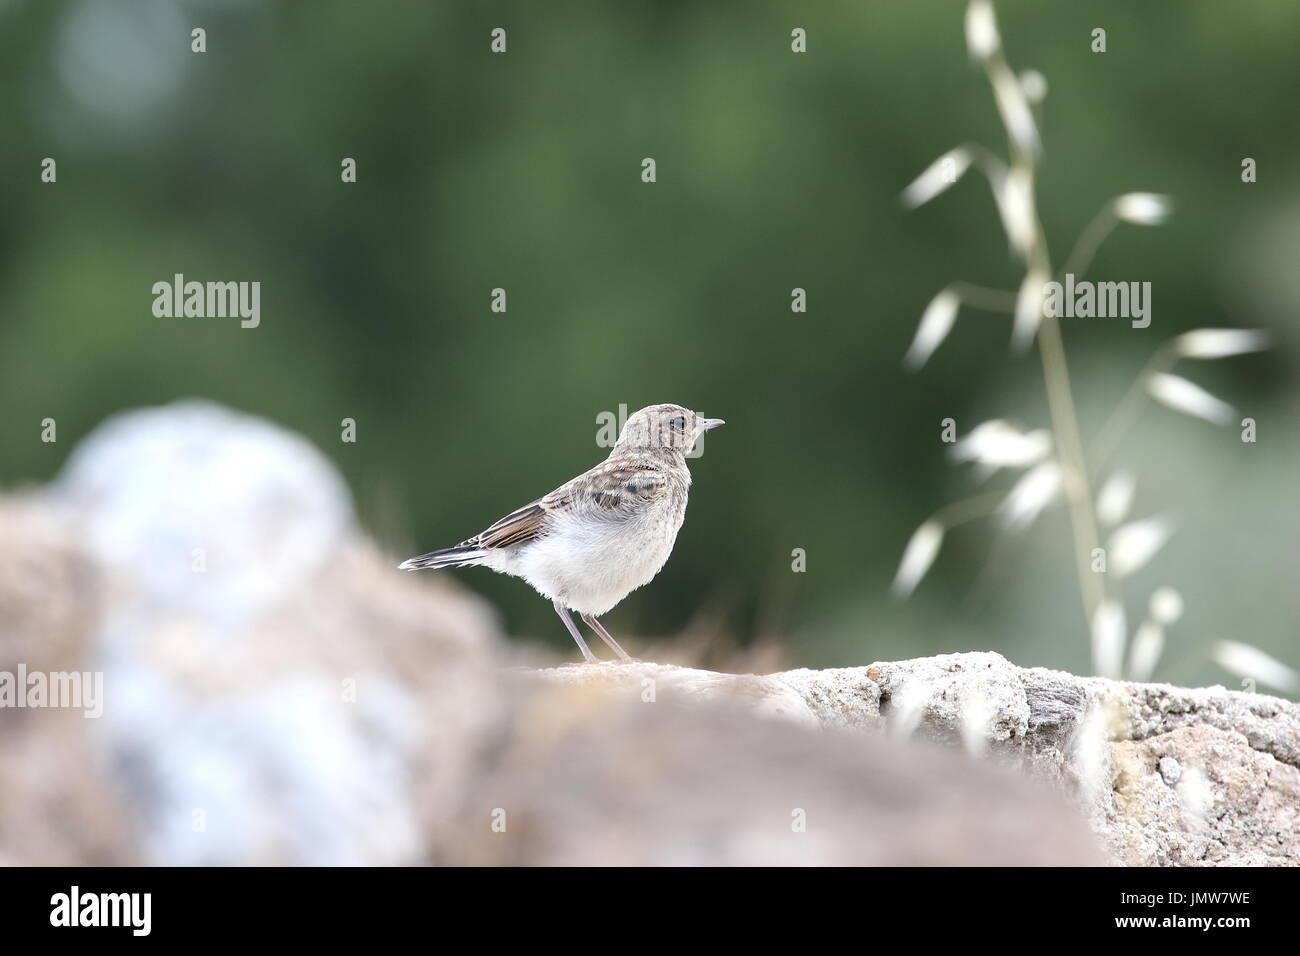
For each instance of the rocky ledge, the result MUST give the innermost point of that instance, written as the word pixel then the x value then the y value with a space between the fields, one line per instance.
pixel 1165 776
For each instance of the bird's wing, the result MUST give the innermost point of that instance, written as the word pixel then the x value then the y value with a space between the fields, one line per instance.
pixel 617 489
pixel 515 528
pixel 611 489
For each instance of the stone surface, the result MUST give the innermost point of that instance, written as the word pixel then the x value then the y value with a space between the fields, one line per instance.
pixel 1165 775
pixel 275 691
pixel 589 774
pixel 648 682
pixel 199 506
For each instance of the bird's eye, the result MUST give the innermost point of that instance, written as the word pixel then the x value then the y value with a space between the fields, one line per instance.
pixel 679 423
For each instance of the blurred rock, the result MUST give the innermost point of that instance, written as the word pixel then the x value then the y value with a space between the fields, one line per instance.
pixel 276 691
pixel 48 592
pixel 590 774
pixel 56 807
pixel 204 508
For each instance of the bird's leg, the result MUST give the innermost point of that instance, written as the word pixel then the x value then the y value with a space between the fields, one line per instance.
pixel 563 611
pixel 599 628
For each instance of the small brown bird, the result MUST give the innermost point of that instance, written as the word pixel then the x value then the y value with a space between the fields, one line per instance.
pixel 597 538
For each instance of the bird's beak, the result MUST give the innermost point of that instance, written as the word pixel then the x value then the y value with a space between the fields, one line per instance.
pixel 712 423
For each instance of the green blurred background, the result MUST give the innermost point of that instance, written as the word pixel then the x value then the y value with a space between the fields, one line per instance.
pixel 775 171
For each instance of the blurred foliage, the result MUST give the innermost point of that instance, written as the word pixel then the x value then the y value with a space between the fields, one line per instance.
pixel 775 170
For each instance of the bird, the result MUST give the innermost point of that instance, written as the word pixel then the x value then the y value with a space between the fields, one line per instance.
pixel 598 537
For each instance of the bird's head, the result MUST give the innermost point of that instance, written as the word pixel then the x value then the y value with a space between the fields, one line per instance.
pixel 664 427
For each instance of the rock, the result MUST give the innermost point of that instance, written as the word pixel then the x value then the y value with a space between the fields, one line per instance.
pixel 644 681
pixel 275 692
pixel 1165 775
pixel 1231 805
pixel 203 507
pixel 58 808
pixel 844 697
pixel 1170 770
pixel 48 590
pixel 590 774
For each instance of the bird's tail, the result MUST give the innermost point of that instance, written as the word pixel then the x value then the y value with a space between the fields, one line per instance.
pixel 466 553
